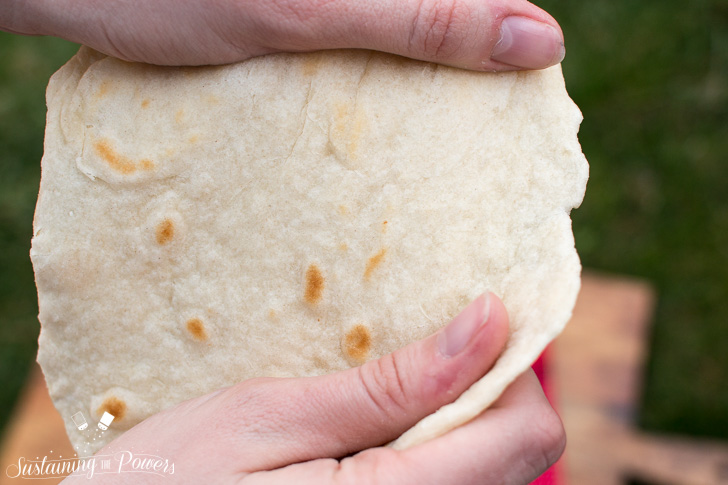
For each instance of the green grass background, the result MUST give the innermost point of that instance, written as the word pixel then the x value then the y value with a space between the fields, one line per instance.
pixel 651 77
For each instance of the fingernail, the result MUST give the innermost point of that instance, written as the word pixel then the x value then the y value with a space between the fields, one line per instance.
pixel 528 43
pixel 453 338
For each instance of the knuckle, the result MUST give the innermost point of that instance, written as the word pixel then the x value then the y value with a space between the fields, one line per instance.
pixel 548 440
pixel 384 386
pixel 438 28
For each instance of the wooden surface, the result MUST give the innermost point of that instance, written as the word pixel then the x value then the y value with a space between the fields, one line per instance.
pixel 594 367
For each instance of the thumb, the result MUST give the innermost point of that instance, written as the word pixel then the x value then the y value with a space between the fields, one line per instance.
pixel 472 34
pixel 342 413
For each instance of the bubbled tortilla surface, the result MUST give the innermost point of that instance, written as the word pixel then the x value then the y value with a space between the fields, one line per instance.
pixel 293 215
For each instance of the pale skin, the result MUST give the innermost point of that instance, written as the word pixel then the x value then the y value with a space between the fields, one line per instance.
pixel 473 34
pixel 333 429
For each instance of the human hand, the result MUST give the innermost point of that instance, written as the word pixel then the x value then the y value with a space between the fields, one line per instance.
pixel 282 431
pixel 473 34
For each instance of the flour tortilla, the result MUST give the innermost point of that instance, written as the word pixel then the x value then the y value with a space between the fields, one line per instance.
pixel 293 215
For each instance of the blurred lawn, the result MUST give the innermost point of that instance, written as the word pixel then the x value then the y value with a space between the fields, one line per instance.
pixel 26 63
pixel 652 80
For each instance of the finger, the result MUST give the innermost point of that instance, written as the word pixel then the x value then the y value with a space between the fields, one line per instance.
pixel 294 420
pixel 511 443
pixel 472 34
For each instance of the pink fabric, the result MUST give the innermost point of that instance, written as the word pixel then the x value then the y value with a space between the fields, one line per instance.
pixel 553 475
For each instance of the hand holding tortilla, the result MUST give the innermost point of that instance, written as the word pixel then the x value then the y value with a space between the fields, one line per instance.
pixel 283 431
pixel 473 34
